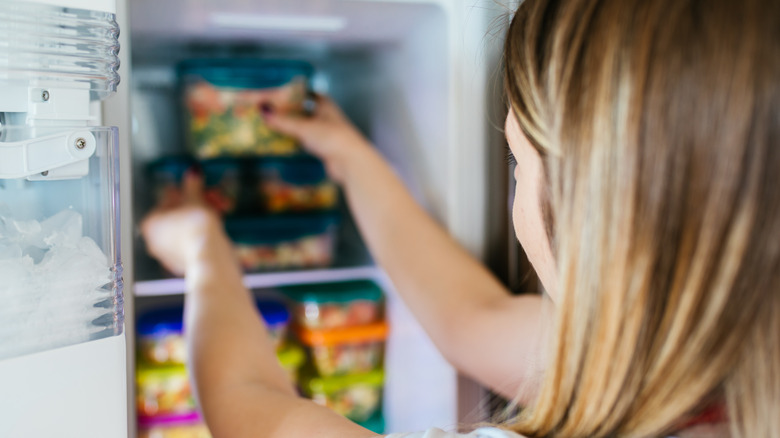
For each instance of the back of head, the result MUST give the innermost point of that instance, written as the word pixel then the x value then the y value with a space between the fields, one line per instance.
pixel 659 126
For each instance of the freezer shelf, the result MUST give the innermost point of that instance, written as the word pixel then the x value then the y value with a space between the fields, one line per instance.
pixel 175 286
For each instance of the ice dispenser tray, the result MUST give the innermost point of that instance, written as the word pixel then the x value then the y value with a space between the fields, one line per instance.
pixel 60 271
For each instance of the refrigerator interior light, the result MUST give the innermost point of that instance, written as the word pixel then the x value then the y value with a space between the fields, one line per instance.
pixel 300 23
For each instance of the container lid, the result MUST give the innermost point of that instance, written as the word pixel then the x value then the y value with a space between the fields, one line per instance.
pixel 338 292
pixel 290 356
pixel 375 424
pixel 278 228
pixel 300 169
pixel 145 372
pixel 246 73
pixel 329 385
pixel 344 335
pixel 161 321
pixel 178 419
pixel 273 312
pixel 174 167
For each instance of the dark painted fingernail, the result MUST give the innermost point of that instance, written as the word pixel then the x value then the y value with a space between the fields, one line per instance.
pixel 195 170
pixel 266 108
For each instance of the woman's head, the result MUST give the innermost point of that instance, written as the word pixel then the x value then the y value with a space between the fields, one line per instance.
pixel 658 127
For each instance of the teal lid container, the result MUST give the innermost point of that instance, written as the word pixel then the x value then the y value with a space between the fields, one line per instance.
pixel 246 73
pixel 341 292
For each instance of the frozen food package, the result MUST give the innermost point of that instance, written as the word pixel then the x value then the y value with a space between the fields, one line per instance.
pixel 334 305
pixel 160 337
pixel 355 396
pixel 224 101
pixel 284 242
pixel 350 350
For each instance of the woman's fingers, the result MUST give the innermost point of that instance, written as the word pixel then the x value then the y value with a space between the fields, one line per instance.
pixel 192 187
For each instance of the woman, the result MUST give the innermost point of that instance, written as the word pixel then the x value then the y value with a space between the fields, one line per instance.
pixel 647 135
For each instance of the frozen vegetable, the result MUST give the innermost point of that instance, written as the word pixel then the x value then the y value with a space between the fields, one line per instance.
pixel 356 396
pixel 333 305
pixel 345 351
pixel 160 339
pixel 278 242
pixel 163 390
pixel 223 102
pixel 294 184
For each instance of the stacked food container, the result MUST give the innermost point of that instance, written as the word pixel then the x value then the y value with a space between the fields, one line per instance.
pixel 280 208
pixel 164 399
pixel 165 403
pixel 342 329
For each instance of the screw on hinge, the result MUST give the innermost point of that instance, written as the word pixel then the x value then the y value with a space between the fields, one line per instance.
pixel 45 95
pixel 45 173
pixel 81 143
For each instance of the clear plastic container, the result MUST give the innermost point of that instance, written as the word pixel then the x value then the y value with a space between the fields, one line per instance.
pixel 173 426
pixel 163 391
pixel 223 101
pixel 160 337
pixel 294 184
pixel 59 226
pixel 276 318
pixel 284 242
pixel 335 305
pixel 355 396
pixel 350 350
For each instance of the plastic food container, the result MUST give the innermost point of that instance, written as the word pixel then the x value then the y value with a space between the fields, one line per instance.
pixel 221 179
pixel 291 358
pixel 173 426
pixel 160 340
pixel 350 350
pixel 294 184
pixel 355 396
pixel 223 102
pixel 283 242
pixel 163 391
pixel 276 318
pixel 334 305
pixel 167 173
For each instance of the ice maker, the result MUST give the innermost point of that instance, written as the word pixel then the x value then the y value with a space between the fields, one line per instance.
pixel 62 346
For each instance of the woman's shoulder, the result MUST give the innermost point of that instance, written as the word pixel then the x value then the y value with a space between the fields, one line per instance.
pixel 482 432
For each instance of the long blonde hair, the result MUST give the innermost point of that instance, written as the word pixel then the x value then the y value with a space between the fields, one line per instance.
pixel 658 122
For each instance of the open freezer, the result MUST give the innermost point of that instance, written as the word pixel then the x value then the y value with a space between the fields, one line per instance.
pixel 417 77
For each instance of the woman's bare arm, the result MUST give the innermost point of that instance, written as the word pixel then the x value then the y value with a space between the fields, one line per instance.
pixel 241 388
pixel 471 317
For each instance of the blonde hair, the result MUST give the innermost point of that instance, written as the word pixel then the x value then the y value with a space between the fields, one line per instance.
pixel 658 122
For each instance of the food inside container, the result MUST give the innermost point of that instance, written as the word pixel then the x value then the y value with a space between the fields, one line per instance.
pixel 347 350
pixel 334 305
pixel 163 390
pixel 173 426
pixel 160 339
pixel 276 318
pixel 224 101
pixel 221 180
pixel 294 184
pixel 355 396
pixel 283 242
pixel 291 358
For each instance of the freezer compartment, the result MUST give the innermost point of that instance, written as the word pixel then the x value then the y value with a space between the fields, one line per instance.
pixel 60 268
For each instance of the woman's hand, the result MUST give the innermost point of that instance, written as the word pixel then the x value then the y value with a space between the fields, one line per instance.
pixel 327 134
pixel 177 230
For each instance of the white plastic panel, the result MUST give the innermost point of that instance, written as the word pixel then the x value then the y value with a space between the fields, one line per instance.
pixel 71 392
